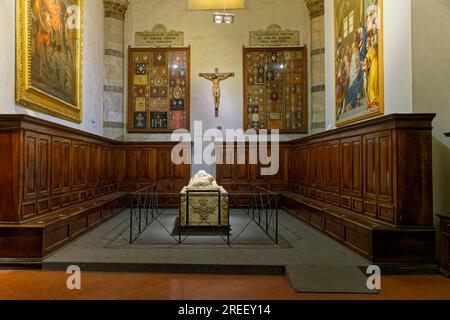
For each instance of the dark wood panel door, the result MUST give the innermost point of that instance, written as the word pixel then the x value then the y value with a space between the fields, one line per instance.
pixel 66 164
pixel 371 165
pixel 80 161
pixel 294 166
pixel 315 164
pixel 57 165
pixel 164 165
pixel 385 158
pixel 304 166
pixel 111 165
pixel 44 165
pixel 331 167
pixel 378 166
pixel 225 172
pixel 104 161
pixel 130 165
pixel 180 172
pixel 61 165
pixel 94 165
pixel 351 166
pixel 30 166
pixel 143 165
pixel 243 170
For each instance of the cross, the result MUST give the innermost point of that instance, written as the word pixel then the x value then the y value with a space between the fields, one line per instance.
pixel 216 77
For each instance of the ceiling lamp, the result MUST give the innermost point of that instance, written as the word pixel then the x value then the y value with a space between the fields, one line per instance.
pixel 224 17
pixel 227 18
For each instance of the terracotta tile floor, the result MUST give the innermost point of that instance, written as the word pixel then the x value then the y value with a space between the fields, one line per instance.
pixel 38 285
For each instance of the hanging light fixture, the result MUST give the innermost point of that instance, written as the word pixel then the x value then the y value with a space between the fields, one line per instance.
pixel 226 18
pixel 223 17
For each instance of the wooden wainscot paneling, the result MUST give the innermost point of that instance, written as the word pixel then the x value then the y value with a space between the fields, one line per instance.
pixel 331 172
pixel 359 167
pixel 237 176
pixel 315 165
pixel 367 185
pixel 61 170
pixel 351 173
pixel 142 164
pixel 58 182
pixel 444 235
pixel 317 219
pixel 334 228
pixel 10 171
pixel 366 177
pixel 55 236
pixel 358 239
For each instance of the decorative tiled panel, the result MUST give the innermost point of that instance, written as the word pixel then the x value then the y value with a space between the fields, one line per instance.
pixel 159 89
pixel 275 89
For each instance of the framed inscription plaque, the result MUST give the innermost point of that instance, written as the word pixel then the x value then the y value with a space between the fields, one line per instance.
pixel 275 89
pixel 158 86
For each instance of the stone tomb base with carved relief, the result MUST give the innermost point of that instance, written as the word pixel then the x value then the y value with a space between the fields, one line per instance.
pixel 204 209
pixel 204 205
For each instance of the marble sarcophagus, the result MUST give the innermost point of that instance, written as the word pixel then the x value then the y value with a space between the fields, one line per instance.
pixel 204 203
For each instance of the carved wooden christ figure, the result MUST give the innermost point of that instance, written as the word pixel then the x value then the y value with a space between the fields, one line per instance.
pixel 216 77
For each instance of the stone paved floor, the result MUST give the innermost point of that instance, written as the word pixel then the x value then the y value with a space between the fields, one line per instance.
pixel 41 285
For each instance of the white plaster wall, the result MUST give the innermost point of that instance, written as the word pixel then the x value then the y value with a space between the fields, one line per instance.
pixel 431 62
pixel 93 67
pixel 397 58
pixel 213 46
pixel 431 86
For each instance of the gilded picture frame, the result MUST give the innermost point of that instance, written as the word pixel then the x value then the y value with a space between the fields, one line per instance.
pixel 359 60
pixel 49 57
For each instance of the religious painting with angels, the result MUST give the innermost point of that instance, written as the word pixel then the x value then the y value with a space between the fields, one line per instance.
pixel 275 89
pixel 158 82
pixel 359 83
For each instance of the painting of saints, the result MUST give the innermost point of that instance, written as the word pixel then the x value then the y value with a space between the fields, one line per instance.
pixel 371 69
pixel 358 60
pixel 52 49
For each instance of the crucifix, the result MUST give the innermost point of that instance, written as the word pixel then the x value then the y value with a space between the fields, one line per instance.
pixel 216 77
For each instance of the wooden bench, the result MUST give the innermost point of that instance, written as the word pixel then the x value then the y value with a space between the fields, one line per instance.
pixel 375 240
pixel 32 241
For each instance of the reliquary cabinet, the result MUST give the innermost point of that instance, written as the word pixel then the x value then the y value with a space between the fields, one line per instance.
pixel 275 89
pixel 158 89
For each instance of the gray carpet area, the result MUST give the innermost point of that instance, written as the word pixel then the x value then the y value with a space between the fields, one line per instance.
pixel 310 259
pixel 330 279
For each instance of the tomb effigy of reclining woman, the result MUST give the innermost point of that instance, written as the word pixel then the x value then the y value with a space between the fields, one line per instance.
pixel 203 203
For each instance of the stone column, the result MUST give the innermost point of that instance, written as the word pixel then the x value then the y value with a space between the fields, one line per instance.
pixel 316 9
pixel 113 63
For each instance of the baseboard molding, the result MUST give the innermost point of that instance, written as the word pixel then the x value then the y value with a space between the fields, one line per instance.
pixel 408 269
pixel 168 268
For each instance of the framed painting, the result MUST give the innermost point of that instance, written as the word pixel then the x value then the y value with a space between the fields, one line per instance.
pixel 276 89
pixel 359 69
pixel 49 57
pixel 159 88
